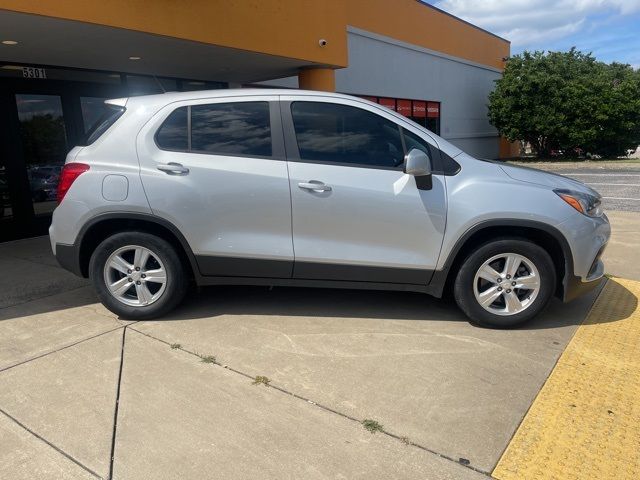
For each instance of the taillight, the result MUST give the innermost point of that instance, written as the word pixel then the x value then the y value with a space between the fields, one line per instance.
pixel 69 173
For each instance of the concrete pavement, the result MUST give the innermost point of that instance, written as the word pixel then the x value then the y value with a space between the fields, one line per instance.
pixel 448 396
pixel 410 362
pixel 622 256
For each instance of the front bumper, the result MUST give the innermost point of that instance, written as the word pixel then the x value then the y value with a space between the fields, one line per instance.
pixel 575 287
pixel 588 239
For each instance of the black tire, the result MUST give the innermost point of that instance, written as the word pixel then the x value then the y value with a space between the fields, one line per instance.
pixel 464 283
pixel 176 278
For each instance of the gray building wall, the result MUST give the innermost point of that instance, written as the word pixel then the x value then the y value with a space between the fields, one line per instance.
pixel 382 66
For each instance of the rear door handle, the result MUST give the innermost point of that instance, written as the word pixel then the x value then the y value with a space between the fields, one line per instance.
pixel 173 168
pixel 314 185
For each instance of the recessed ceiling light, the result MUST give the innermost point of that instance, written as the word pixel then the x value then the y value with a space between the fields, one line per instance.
pixel 11 67
pixel 9 42
pixel 135 58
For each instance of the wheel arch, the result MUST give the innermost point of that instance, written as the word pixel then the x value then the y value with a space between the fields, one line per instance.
pixel 102 226
pixel 546 236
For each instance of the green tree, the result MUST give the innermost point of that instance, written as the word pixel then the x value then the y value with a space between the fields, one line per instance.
pixel 567 100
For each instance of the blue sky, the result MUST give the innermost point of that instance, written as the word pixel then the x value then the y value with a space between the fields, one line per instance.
pixel 610 29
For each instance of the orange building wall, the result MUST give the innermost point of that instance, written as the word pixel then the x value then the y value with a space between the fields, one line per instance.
pixel 288 28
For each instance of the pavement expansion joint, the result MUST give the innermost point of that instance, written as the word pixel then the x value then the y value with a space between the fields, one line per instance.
pixel 47 442
pixel 585 421
pixel 114 432
pixel 462 462
pixel 60 348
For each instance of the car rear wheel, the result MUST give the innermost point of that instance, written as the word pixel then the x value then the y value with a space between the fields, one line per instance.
pixel 505 282
pixel 137 275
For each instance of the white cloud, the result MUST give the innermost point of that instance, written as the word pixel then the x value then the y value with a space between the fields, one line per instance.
pixel 528 23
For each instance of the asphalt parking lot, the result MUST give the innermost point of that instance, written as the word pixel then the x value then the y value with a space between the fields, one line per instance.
pixel 620 189
pixel 619 184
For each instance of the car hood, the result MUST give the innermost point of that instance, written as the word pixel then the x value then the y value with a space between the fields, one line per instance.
pixel 547 179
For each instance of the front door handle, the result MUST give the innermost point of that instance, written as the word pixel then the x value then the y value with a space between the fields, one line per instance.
pixel 173 168
pixel 314 185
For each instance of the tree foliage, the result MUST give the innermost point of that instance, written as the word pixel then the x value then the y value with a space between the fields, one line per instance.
pixel 568 100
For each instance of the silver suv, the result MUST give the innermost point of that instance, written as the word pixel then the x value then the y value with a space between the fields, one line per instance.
pixel 299 188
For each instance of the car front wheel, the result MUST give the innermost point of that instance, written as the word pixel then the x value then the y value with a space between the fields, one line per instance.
pixel 505 282
pixel 137 275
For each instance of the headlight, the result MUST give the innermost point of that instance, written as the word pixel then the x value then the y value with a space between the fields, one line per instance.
pixel 589 205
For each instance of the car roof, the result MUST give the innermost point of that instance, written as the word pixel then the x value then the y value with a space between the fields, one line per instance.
pixel 170 97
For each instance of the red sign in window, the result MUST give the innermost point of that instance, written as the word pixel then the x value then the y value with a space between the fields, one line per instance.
pixel 404 107
pixel 433 109
pixel 419 109
pixel 388 102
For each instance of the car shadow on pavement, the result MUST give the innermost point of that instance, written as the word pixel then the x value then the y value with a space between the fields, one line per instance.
pixel 44 302
pixel 311 302
pixel 620 302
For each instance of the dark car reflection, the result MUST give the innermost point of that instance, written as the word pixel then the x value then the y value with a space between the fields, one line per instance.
pixel 5 204
pixel 44 182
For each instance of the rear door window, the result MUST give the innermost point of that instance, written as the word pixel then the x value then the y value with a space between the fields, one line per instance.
pixel 241 128
pixel 173 134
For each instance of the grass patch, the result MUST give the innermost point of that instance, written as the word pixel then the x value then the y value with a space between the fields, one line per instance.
pixel 207 359
pixel 371 425
pixel 175 346
pixel 261 380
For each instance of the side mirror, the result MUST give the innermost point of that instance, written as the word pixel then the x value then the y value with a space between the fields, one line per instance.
pixel 417 163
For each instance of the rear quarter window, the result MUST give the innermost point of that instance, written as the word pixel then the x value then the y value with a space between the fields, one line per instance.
pixel 110 116
pixel 236 129
pixel 240 128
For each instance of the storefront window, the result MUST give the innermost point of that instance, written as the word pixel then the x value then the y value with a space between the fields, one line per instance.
pixel 145 85
pixel 44 145
pixel 424 113
pixel 51 109
pixel 189 85
pixel 6 211
pixel 142 85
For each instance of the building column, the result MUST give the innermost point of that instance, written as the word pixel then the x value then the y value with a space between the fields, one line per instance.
pixel 508 149
pixel 317 79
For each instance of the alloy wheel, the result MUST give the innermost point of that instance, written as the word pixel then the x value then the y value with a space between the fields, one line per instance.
pixel 135 275
pixel 506 284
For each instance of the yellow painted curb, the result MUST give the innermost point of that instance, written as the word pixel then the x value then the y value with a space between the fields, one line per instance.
pixel 585 422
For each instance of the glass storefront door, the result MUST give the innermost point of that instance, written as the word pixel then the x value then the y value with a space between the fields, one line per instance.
pixel 6 207
pixel 42 117
pixel 40 121
pixel 44 146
